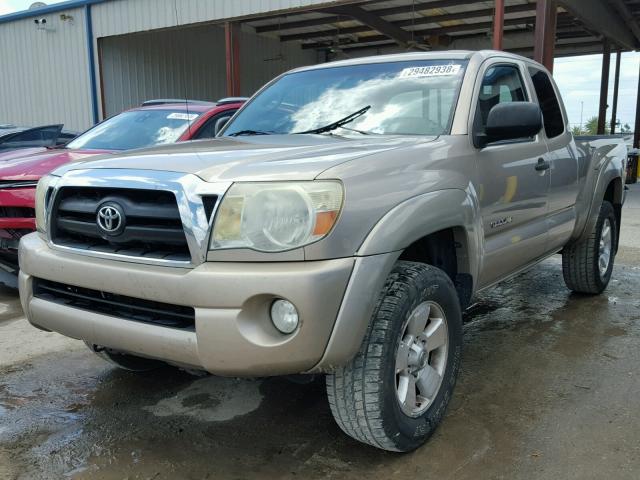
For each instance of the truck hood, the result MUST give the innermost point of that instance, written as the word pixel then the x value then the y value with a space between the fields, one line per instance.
pixel 34 163
pixel 254 158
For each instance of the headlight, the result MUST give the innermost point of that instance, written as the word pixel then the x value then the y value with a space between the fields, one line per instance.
pixel 42 198
pixel 274 217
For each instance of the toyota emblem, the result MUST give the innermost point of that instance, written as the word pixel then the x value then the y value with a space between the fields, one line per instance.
pixel 110 219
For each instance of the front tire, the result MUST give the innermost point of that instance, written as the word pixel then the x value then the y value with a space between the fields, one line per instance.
pixel 587 265
pixel 394 392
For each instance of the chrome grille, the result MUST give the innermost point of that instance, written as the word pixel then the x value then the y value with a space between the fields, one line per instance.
pixel 153 227
pixel 170 214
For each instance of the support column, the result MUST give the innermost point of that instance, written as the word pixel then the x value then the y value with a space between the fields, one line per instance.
pixel 88 26
pixel 604 86
pixel 498 24
pixel 545 35
pixel 616 83
pixel 636 129
pixel 232 54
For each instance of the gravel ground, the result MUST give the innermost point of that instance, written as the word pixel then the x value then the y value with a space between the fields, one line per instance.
pixel 550 388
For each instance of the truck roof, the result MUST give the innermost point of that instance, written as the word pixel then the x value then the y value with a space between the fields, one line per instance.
pixel 402 57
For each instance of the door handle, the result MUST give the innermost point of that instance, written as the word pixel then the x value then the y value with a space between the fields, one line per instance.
pixel 542 165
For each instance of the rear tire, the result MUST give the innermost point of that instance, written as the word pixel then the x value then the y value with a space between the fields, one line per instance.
pixel 407 348
pixel 587 265
pixel 125 361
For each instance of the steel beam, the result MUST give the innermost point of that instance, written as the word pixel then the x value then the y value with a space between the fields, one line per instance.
pixel 545 34
pixel 232 58
pixel 600 17
pixel 420 20
pixel 498 24
pixel 466 27
pixel 616 82
pixel 626 15
pixel 381 12
pixel 636 129
pixel 377 23
pixel 604 86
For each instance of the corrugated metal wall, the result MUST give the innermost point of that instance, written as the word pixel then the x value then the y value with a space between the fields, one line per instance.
pixel 168 64
pixel 187 62
pixel 44 73
pixel 118 17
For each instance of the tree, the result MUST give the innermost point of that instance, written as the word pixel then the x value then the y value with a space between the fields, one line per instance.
pixel 577 130
pixel 591 127
pixel 626 128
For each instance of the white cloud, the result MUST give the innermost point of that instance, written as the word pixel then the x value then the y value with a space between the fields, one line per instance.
pixel 5 7
pixel 578 79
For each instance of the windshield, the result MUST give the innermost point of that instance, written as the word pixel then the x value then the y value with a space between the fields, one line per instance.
pixel 136 129
pixel 410 98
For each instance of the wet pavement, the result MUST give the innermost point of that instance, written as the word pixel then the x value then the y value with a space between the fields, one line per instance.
pixel 550 388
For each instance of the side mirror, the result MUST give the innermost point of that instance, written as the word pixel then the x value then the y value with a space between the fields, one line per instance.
pixel 508 121
pixel 220 123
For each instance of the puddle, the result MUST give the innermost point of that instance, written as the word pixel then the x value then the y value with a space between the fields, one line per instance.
pixel 212 399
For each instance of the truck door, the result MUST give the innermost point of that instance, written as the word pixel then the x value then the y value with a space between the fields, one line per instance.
pixel 563 174
pixel 513 179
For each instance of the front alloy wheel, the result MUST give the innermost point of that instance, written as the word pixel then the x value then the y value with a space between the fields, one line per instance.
pixel 422 358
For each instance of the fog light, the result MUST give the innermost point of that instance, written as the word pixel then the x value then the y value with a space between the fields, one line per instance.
pixel 284 316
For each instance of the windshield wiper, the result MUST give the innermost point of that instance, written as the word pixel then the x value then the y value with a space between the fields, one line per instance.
pixel 355 130
pixel 339 123
pixel 248 132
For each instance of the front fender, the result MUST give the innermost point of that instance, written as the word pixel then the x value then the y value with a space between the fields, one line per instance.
pixel 424 214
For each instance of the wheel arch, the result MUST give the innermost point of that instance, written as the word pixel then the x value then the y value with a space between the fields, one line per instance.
pixel 614 195
pixel 441 228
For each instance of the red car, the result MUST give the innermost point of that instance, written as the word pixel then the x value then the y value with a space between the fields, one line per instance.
pixel 155 122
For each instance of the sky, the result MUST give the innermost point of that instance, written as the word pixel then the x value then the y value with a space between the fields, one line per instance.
pixel 10 6
pixel 577 77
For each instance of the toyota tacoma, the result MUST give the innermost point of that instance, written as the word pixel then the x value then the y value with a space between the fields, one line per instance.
pixel 340 224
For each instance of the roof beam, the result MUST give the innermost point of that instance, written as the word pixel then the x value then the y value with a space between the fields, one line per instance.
pixel 467 27
pixel 402 37
pixel 566 47
pixel 624 12
pixel 421 20
pixel 381 12
pixel 598 16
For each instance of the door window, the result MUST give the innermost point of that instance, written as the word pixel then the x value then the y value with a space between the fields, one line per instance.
pixel 208 130
pixel 500 84
pixel 549 104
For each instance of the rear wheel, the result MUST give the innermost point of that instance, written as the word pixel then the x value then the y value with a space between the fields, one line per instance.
pixel 587 265
pixel 125 361
pixel 394 393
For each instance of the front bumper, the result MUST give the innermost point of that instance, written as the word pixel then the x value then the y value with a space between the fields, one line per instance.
pixel 233 334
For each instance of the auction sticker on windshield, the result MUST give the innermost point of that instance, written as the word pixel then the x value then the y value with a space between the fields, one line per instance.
pixel 182 116
pixel 430 71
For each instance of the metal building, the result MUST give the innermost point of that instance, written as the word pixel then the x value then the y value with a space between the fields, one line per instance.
pixel 80 61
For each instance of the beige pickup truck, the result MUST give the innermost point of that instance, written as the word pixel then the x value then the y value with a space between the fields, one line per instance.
pixel 341 222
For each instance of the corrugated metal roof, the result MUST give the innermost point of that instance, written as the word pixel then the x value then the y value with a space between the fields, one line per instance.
pixel 449 20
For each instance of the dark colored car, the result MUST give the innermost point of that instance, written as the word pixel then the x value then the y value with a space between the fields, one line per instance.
pixel 14 138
